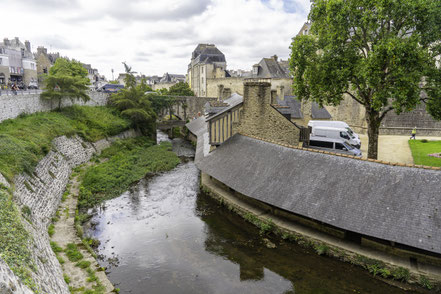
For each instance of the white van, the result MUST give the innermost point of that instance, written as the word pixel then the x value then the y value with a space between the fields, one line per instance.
pixel 336 133
pixel 332 124
pixel 333 145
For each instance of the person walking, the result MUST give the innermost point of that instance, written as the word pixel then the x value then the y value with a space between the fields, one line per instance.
pixel 413 134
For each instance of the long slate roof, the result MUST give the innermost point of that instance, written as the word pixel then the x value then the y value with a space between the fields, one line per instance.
pixel 271 68
pixel 393 203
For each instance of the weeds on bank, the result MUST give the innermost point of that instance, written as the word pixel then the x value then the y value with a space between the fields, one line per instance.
pixel 128 161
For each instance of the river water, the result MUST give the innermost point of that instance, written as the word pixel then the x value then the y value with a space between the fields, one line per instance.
pixel 163 236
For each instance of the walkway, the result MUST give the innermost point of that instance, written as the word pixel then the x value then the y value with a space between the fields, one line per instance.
pixel 81 278
pixel 393 148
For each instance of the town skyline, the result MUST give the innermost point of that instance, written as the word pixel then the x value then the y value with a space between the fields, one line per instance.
pixel 155 38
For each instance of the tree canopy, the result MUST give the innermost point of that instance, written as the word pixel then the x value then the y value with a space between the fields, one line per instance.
pixel 180 89
pixel 382 54
pixel 134 103
pixel 66 79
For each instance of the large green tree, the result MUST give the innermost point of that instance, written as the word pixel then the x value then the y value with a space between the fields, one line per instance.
pixel 66 79
pixel 381 53
pixel 180 89
pixel 134 103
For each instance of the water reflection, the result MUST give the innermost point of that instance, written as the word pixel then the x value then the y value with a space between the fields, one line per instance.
pixel 162 237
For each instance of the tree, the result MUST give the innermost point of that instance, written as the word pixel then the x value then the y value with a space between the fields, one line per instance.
pixel 381 53
pixel 134 103
pixel 66 79
pixel 181 89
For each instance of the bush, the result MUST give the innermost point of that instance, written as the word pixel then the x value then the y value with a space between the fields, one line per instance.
pixel 73 253
pixel 401 274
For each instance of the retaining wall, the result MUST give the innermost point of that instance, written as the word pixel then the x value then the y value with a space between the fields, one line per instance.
pixel 12 106
pixel 42 191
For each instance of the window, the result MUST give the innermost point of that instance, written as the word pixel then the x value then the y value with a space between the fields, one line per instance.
pixel 340 146
pixel 344 135
pixel 323 144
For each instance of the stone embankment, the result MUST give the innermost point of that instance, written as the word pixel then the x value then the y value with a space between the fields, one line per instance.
pixel 41 192
pixel 12 106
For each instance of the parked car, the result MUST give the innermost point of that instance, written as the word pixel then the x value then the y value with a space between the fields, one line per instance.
pixel 333 145
pixel 336 133
pixel 111 88
pixel 332 124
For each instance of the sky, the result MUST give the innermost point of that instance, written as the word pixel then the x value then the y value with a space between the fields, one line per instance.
pixel 155 36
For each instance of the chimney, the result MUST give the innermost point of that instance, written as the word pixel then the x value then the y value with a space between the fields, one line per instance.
pixel 220 91
pixel 274 57
pixel 255 69
pixel 6 41
pixel 17 40
pixel 28 46
pixel 257 93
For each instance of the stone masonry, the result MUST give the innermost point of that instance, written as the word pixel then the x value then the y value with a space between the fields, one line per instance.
pixel 42 191
pixel 259 118
pixel 12 106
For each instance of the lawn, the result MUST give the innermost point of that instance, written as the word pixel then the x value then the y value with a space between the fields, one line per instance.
pixel 421 150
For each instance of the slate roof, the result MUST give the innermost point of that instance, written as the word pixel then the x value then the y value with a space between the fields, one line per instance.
pixel 318 112
pixel 207 53
pixel 232 102
pixel 271 68
pixel 294 105
pixel 392 203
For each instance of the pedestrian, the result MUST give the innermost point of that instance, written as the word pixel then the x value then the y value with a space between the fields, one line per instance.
pixel 412 136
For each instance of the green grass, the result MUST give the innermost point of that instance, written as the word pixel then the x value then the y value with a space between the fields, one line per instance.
pixel 27 139
pixel 73 253
pixel 128 161
pixel 421 151
pixel 15 241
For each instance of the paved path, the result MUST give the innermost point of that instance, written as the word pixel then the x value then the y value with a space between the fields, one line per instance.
pixel 393 148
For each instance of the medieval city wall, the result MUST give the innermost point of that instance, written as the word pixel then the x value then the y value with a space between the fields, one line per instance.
pixel 354 114
pixel 42 191
pixel 12 106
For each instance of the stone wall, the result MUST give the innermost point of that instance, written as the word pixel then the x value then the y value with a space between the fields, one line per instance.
pixel 259 118
pixel 42 191
pixel 12 106
pixel 236 85
pixel 354 114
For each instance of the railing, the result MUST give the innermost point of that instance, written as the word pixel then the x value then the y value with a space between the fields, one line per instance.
pixel 20 92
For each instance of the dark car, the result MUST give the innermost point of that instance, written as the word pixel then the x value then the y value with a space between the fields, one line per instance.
pixel 111 88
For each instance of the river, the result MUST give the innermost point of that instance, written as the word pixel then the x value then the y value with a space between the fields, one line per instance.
pixel 164 236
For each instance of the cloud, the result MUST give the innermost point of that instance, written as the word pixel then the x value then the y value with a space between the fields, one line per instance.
pixel 157 36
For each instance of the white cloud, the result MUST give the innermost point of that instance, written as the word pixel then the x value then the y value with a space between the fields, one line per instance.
pixel 156 36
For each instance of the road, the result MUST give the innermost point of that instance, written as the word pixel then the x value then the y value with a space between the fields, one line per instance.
pixel 393 148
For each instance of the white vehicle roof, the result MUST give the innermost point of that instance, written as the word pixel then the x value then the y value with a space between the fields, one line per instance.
pixel 330 128
pixel 324 122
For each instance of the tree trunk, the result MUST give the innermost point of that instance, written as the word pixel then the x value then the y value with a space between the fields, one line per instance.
pixel 373 122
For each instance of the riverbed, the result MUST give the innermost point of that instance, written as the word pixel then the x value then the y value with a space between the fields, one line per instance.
pixel 164 236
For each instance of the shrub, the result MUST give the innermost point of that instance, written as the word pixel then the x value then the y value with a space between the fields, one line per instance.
pixel 401 274
pixel 51 230
pixel 425 282
pixel 73 253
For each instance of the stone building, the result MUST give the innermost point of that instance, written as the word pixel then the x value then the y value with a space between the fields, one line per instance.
pixel 44 62
pixel 17 64
pixel 167 81
pixel 269 68
pixel 207 62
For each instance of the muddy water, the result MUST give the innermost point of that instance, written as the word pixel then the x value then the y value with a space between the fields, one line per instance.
pixel 163 236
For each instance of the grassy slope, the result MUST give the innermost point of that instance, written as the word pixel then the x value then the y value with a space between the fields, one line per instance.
pixel 23 142
pixel 421 150
pixel 128 161
pixel 26 140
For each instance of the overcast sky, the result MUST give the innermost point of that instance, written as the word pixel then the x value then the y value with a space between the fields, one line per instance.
pixel 155 36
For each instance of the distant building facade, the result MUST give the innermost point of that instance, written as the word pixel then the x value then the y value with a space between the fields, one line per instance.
pixel 17 63
pixel 207 62
pixel 44 61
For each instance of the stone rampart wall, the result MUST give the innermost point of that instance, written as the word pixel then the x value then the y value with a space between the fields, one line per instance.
pixel 354 114
pixel 12 106
pixel 42 191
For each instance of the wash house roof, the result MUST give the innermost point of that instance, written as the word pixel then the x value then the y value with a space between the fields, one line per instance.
pixel 393 203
